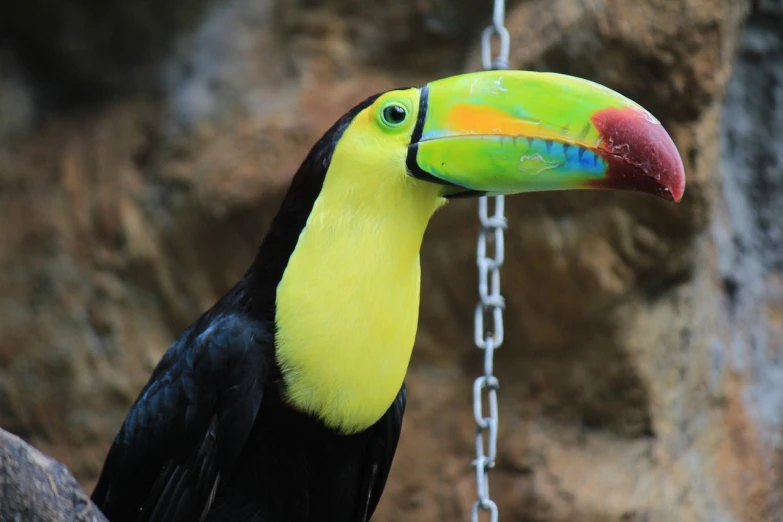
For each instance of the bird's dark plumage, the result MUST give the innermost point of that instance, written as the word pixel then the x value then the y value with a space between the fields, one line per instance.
pixel 210 437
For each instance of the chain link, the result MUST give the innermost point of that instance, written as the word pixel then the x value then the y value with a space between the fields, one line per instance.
pixel 491 303
pixel 496 29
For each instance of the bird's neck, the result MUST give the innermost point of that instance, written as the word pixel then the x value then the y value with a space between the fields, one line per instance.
pixel 348 302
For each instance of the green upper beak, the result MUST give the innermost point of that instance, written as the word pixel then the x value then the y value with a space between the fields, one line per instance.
pixel 505 132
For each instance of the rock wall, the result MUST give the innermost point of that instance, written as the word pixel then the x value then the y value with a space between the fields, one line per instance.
pixel 641 376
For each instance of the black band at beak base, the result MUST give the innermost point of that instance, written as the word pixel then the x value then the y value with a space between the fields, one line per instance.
pixel 413 149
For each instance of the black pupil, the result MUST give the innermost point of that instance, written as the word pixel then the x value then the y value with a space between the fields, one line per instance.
pixel 394 114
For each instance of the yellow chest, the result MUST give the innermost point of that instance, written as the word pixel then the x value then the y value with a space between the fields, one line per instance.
pixel 348 304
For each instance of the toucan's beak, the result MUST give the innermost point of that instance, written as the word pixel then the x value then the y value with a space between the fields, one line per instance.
pixel 505 132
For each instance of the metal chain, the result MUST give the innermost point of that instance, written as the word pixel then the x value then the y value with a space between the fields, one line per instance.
pixel 496 29
pixel 491 302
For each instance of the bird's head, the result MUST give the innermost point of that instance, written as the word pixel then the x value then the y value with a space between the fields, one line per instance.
pixel 507 132
pixel 347 240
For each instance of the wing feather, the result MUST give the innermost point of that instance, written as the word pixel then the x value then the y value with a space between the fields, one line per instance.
pixel 188 426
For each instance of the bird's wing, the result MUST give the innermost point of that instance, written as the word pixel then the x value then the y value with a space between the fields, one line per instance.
pixel 380 455
pixel 188 426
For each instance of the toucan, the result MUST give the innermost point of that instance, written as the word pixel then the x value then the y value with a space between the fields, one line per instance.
pixel 284 401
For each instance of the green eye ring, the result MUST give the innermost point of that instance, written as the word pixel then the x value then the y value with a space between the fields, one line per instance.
pixel 394 114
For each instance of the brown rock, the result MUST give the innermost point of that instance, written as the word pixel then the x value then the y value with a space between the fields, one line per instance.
pixel 640 373
pixel 36 488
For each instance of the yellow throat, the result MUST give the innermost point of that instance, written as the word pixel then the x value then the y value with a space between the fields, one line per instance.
pixel 348 303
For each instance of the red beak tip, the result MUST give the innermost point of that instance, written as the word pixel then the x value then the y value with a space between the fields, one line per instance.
pixel 642 156
pixel 676 179
pixel 676 182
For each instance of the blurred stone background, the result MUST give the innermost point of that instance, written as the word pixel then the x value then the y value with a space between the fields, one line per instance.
pixel 145 146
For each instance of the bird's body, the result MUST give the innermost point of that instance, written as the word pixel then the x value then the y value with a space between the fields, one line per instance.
pixel 287 466
pixel 296 458
pixel 217 400
pixel 284 401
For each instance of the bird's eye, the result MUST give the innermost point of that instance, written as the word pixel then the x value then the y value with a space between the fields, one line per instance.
pixel 394 114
